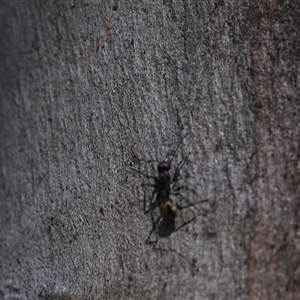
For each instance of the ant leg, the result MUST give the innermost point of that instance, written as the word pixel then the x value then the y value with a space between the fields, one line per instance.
pixel 192 219
pixel 180 207
pixel 148 242
pixel 185 223
pixel 174 151
pixel 176 192
pixel 178 168
pixel 146 211
pixel 183 187
pixel 151 206
pixel 145 175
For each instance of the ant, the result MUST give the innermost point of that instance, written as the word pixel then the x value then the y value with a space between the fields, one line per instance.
pixel 164 187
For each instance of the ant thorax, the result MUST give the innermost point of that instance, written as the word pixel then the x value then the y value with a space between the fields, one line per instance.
pixel 163 184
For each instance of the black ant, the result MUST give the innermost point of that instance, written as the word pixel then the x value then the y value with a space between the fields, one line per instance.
pixel 164 187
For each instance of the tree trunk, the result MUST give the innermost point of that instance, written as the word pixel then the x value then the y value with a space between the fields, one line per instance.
pixel 91 90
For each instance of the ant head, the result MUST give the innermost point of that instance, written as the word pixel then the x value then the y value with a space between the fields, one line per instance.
pixel 163 166
pixel 166 164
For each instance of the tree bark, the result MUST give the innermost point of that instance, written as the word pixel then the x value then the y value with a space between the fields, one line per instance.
pixel 90 90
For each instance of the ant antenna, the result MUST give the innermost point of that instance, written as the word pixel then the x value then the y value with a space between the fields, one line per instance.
pixel 174 151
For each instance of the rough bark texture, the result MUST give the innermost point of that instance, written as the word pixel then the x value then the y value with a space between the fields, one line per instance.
pixel 274 265
pixel 84 98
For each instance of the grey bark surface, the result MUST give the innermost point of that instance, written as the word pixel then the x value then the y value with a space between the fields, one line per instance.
pixel 84 99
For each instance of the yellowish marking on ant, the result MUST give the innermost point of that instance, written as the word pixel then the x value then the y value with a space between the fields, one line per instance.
pixel 168 210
